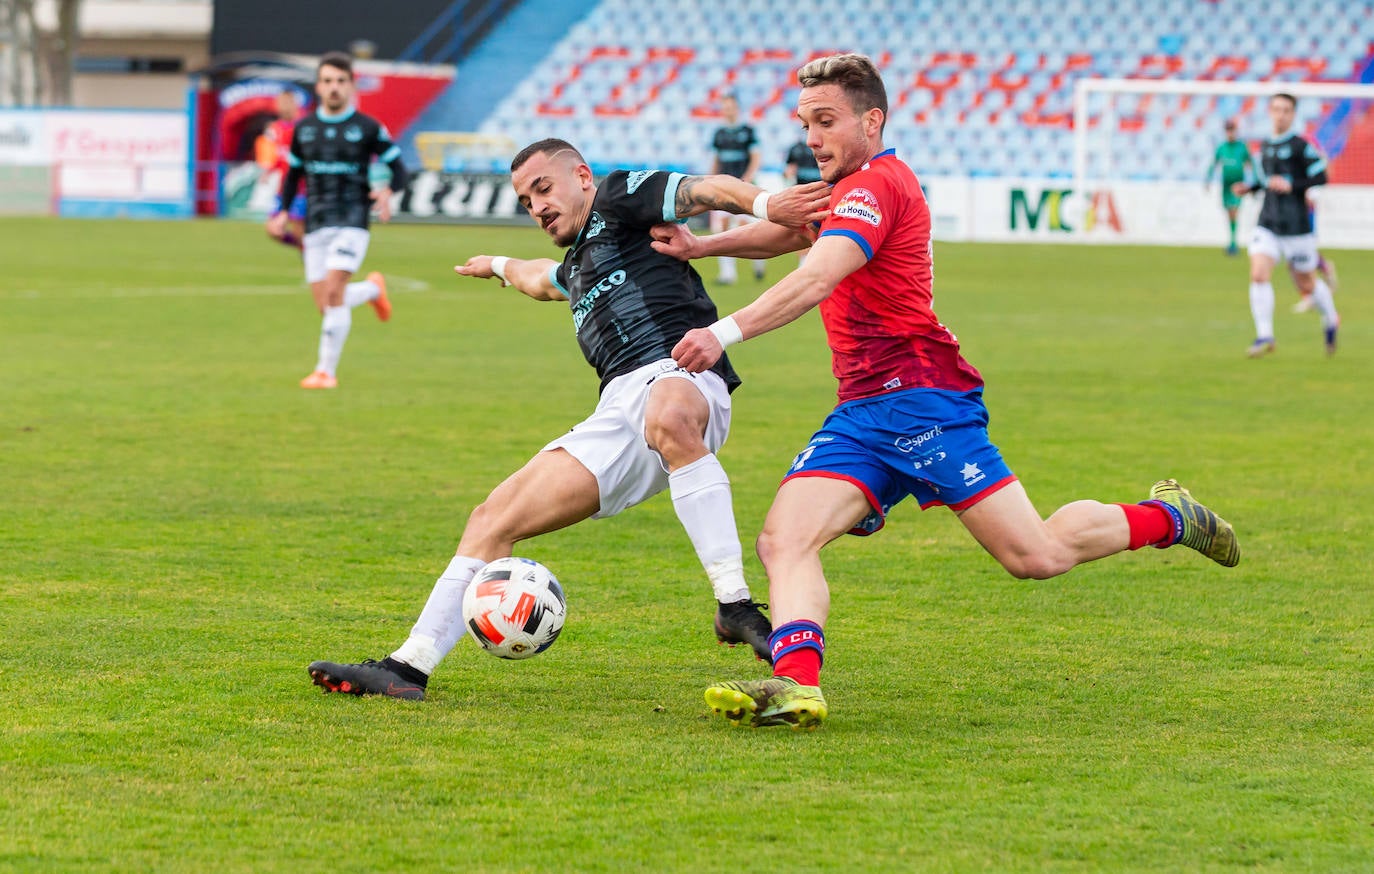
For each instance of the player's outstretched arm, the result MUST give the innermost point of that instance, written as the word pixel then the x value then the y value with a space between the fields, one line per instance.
pixel 530 277
pixel 794 207
pixel 831 260
pixel 758 240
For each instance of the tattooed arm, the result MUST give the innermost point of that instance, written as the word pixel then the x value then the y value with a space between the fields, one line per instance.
pixel 794 207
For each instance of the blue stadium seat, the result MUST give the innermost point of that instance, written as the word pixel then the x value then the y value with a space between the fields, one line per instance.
pixel 1041 43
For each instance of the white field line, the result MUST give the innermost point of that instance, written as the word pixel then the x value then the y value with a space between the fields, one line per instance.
pixel 394 283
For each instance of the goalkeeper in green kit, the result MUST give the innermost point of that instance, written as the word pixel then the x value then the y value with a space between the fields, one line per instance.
pixel 1233 156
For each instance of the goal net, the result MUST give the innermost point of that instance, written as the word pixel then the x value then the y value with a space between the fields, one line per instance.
pixel 1143 147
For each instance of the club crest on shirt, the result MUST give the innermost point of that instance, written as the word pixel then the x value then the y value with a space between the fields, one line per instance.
pixel 859 204
pixel 595 226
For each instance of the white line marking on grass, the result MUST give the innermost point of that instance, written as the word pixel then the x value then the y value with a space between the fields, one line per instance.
pixel 405 284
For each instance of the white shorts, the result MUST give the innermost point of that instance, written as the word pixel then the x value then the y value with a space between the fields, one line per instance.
pixel 1300 250
pixel 329 249
pixel 611 444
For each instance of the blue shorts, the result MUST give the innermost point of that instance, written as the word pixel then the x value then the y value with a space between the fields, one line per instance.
pixel 927 443
pixel 296 212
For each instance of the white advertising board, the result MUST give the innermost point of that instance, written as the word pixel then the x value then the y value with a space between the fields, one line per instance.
pixel 1151 213
pixel 22 140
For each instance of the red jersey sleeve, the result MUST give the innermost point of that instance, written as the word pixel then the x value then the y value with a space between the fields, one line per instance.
pixel 862 209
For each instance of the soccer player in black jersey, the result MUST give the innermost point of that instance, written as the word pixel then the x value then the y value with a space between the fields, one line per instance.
pixel 735 153
pixel 1290 166
pixel 333 148
pixel 655 427
pixel 801 164
pixel 801 168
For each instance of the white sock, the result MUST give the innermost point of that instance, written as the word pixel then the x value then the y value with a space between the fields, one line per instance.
pixel 760 267
pixel 359 293
pixel 727 269
pixel 1325 303
pixel 333 332
pixel 440 625
pixel 701 497
pixel 1262 308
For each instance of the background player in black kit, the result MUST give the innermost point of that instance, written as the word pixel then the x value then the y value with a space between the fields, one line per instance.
pixel 333 148
pixel 1290 166
pixel 800 169
pixel 735 153
pixel 801 165
pixel 655 426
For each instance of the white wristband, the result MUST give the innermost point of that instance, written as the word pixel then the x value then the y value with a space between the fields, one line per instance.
pixel 498 266
pixel 761 205
pixel 727 332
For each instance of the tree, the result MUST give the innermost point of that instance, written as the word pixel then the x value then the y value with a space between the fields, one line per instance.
pixel 37 65
pixel 62 56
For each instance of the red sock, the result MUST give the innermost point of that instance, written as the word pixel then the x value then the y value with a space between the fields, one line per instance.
pixel 1149 524
pixel 802 665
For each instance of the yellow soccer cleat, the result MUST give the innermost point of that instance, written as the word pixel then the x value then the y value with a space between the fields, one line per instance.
pixel 774 701
pixel 1198 527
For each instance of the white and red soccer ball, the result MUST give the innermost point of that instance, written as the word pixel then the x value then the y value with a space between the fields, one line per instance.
pixel 514 608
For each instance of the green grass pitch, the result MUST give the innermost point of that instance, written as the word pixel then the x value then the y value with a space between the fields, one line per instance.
pixel 182 530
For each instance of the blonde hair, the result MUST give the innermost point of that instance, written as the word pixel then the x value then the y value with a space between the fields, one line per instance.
pixel 856 75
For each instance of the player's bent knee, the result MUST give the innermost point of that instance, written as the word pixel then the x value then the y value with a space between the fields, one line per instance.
pixel 484 525
pixel 772 548
pixel 677 439
pixel 765 547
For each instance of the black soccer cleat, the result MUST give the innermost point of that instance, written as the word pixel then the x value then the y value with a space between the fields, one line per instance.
pixel 368 678
pixel 741 622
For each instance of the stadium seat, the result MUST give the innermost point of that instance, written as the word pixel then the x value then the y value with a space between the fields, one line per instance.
pixel 1002 103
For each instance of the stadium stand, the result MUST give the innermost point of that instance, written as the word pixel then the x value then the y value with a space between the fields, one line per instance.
pixel 982 87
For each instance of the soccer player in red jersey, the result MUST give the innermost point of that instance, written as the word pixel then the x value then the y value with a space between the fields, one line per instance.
pixel 272 150
pixel 910 419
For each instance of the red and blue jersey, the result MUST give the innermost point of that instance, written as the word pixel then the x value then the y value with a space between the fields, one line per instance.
pixel 279 133
pixel 883 333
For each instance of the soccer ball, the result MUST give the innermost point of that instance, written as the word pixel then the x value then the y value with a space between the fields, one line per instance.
pixel 514 608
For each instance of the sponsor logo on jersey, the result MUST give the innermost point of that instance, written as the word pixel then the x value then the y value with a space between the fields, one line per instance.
pixel 353 133
pixel 859 204
pixel 636 179
pixel 331 168
pixel 583 307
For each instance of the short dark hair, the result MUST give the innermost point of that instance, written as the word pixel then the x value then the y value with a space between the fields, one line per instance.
pixel 550 146
pixel 337 60
pixel 856 75
pixel 1289 97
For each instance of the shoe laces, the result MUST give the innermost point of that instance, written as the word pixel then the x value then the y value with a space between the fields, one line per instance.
pixel 746 604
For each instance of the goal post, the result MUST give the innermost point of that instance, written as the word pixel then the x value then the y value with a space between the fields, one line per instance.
pixel 1149 142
